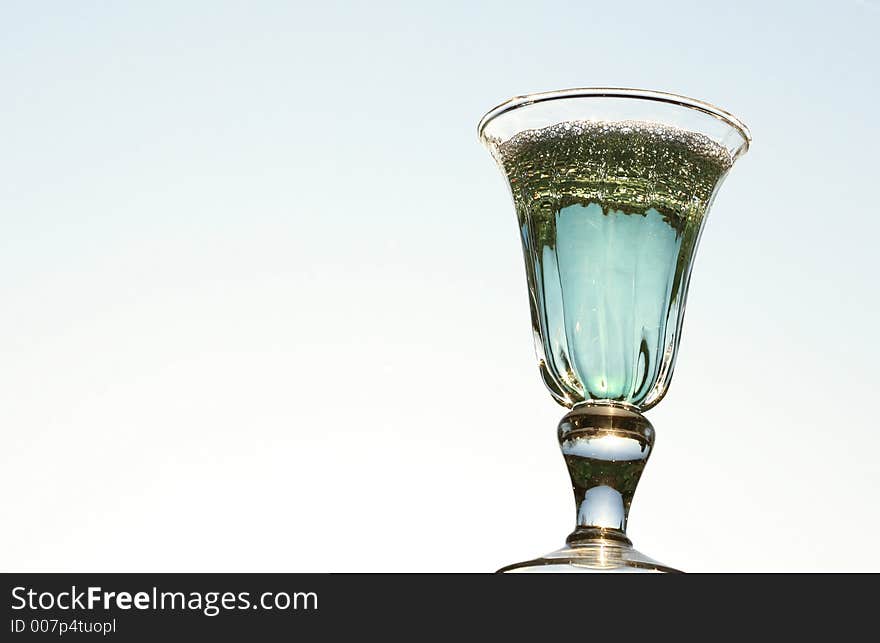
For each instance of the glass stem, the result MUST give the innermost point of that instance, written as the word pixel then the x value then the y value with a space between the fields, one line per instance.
pixel 606 447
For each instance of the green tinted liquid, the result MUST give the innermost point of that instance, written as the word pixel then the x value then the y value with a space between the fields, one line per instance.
pixel 610 216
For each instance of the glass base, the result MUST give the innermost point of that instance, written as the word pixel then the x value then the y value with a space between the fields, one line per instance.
pixel 590 557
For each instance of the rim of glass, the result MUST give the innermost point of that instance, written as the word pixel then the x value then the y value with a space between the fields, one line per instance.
pixel 617 92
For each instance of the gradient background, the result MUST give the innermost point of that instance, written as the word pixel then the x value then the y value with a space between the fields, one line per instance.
pixel 263 305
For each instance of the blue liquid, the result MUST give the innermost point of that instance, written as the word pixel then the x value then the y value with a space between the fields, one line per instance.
pixel 605 288
pixel 610 216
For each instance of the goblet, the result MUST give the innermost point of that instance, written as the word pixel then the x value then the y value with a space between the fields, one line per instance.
pixel 611 189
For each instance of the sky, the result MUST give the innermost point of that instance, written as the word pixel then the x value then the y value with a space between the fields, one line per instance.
pixel 264 307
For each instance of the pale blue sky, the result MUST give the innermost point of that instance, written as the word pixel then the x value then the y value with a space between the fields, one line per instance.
pixel 261 283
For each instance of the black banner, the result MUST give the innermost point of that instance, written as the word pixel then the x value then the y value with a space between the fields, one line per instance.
pixel 151 607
